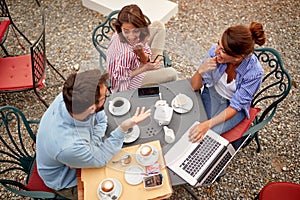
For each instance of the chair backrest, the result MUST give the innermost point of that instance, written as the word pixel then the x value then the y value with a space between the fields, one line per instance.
pixel 276 83
pixel 102 34
pixel 38 56
pixel 18 172
pixel 16 145
pixel 4 9
pixel 275 87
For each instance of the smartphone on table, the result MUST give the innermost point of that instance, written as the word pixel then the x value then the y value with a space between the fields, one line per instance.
pixel 148 91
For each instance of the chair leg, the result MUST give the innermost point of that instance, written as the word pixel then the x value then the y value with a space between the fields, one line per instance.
pixel 4 50
pixel 257 142
pixel 38 3
pixel 188 189
pixel 40 98
pixel 56 70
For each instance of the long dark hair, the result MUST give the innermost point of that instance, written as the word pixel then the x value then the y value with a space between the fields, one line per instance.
pixel 134 15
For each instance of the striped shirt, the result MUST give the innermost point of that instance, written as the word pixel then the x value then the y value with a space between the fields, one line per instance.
pixel 248 80
pixel 121 61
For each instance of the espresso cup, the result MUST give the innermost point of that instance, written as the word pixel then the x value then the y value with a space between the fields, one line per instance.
pixel 117 104
pixel 107 186
pixel 146 151
pixel 180 99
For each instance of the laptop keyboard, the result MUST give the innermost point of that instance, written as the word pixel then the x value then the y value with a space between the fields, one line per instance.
pixel 217 169
pixel 193 163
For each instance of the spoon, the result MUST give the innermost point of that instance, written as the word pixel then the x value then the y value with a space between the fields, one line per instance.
pixel 125 160
pixel 180 107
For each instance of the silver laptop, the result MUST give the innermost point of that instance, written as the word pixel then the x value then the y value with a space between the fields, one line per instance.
pixel 200 163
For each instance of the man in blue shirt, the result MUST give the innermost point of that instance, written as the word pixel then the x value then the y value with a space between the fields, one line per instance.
pixel 71 132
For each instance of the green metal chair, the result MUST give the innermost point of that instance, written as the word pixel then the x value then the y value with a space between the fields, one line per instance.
pixel 102 34
pixel 18 172
pixel 275 87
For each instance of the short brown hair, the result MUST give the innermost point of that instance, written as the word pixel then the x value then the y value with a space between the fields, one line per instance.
pixel 81 90
pixel 132 14
pixel 240 40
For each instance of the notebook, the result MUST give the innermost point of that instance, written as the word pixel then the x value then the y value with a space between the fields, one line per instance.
pixel 200 163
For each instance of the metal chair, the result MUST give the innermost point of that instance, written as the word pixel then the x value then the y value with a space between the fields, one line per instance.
pixel 4 29
pixel 276 85
pixel 102 34
pixel 18 172
pixel 279 190
pixel 25 72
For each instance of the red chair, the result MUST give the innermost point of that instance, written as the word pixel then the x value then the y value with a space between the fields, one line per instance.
pixel 4 28
pixel 279 191
pixel 5 24
pixel 25 72
pixel 18 171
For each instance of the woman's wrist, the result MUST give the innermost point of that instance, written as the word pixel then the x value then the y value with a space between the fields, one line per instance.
pixel 199 72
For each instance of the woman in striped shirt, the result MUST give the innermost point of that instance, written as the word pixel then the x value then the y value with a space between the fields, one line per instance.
pixel 231 74
pixel 129 55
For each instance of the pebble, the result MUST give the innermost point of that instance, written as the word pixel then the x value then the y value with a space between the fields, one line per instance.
pixel 197 26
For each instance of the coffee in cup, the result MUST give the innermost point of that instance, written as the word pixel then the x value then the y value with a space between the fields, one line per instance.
pixel 107 186
pixel 117 104
pixel 146 150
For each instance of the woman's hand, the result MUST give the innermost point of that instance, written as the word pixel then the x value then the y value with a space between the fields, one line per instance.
pixel 151 66
pixel 139 49
pixel 198 131
pixel 135 119
pixel 209 65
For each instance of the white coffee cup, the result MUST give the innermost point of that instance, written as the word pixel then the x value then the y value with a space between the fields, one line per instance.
pixel 146 151
pixel 107 186
pixel 180 99
pixel 117 104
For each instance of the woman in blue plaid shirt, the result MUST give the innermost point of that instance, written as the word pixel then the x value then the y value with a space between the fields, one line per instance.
pixel 230 75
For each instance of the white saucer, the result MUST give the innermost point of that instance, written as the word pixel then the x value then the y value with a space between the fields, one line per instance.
pixel 123 111
pixel 148 161
pixel 133 175
pixel 117 192
pixel 182 108
pixel 133 135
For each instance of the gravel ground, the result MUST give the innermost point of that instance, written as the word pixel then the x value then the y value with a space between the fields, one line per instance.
pixel 196 27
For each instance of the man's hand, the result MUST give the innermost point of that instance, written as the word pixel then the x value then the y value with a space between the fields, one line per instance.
pixel 135 119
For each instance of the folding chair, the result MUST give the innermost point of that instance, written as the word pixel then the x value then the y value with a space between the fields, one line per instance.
pixel 25 72
pixel 4 29
pixel 18 172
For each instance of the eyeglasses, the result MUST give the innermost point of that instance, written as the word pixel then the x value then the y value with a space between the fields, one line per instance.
pixel 107 94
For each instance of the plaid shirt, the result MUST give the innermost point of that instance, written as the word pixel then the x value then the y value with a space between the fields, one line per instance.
pixel 248 79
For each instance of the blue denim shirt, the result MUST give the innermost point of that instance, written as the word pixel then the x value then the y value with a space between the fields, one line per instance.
pixel 248 80
pixel 64 144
